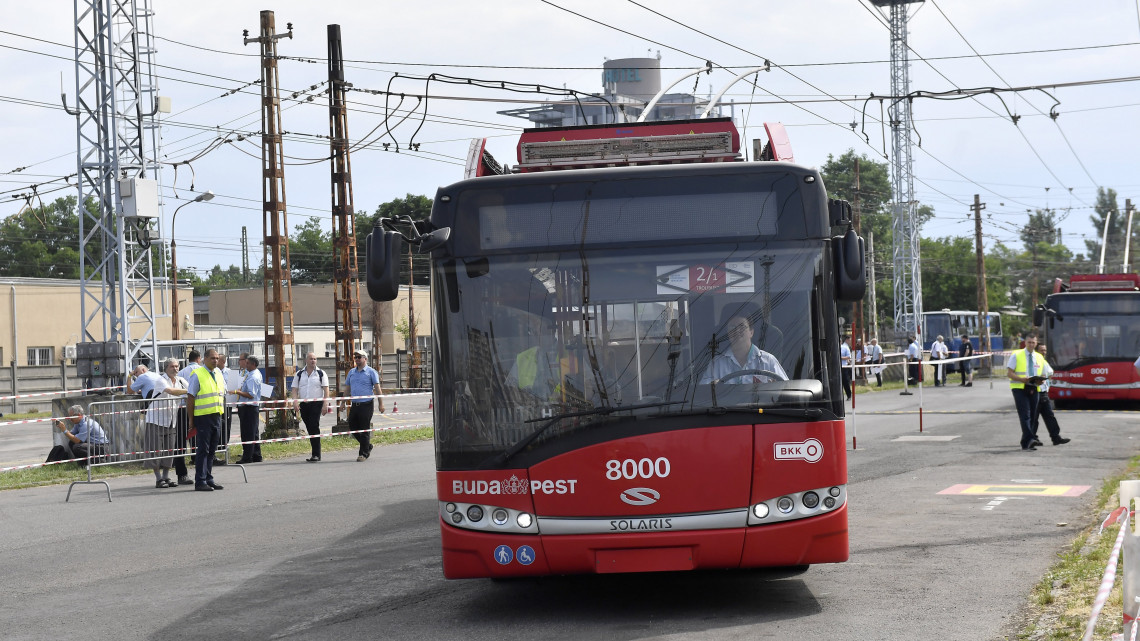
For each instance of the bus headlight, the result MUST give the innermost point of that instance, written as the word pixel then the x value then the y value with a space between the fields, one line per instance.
pixel 487 518
pixel 810 503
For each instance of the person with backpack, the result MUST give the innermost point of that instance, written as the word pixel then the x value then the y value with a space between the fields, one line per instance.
pixel 311 388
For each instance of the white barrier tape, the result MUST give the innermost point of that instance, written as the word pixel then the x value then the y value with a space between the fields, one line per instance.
pixel 65 392
pixel 145 409
pixel 31 465
pixel 1121 514
pixel 190 451
pixel 935 363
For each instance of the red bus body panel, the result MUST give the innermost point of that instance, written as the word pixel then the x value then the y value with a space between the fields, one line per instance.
pixel 1114 377
pixel 691 471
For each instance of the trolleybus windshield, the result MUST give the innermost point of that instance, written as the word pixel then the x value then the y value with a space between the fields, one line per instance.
pixel 1094 328
pixel 606 337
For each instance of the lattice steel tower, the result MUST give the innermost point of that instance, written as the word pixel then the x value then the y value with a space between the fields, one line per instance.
pixel 907 272
pixel 277 285
pixel 117 166
pixel 346 285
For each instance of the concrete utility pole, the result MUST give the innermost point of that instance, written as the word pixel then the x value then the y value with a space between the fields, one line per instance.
pixel 908 273
pixel 116 100
pixel 871 281
pixel 855 215
pixel 277 284
pixel 346 282
pixel 983 298
pixel 1124 266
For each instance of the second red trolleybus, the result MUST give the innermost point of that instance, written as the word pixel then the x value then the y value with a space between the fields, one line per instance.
pixel 1092 329
pixel 636 367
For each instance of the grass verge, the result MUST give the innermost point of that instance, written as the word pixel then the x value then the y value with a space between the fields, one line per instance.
pixel 1061 602
pixel 68 472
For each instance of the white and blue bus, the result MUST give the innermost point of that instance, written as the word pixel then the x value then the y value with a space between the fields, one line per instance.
pixel 949 324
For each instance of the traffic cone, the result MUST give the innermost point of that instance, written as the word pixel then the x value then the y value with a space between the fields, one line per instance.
pixel 431 402
pixel 395 407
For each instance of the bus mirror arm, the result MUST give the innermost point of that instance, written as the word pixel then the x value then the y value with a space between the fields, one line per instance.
pixel 1041 312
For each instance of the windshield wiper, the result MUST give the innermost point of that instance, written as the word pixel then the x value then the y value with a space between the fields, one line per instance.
pixel 798 412
pixel 502 458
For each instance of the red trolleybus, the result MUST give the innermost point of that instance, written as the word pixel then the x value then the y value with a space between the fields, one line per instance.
pixel 1092 328
pixel 588 415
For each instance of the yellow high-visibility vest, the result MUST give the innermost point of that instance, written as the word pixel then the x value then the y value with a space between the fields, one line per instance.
pixel 208 400
pixel 1021 367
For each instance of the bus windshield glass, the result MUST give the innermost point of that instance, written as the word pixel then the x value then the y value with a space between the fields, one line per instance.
pixel 535 347
pixel 1094 328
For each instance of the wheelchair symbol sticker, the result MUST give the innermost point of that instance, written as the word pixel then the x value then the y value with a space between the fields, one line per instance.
pixel 525 554
pixel 504 554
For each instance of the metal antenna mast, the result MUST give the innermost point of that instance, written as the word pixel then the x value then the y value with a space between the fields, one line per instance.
pixel 907 267
pixel 117 150
pixel 277 285
pixel 346 288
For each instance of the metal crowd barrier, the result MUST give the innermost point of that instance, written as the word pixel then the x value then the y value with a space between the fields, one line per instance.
pixel 140 431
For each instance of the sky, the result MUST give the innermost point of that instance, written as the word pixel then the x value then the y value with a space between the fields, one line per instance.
pixel 833 53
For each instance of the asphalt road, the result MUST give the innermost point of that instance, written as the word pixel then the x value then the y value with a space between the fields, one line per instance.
pixel 346 550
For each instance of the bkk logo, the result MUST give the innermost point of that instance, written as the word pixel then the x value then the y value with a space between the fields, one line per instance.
pixel 810 450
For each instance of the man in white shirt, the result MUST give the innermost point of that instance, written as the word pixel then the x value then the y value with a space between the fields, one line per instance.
pixel 311 400
pixel 743 355
pixel 939 352
pixel 845 363
pixel 875 357
pixel 914 360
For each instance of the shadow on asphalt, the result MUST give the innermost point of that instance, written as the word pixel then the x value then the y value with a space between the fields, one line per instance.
pixel 385 581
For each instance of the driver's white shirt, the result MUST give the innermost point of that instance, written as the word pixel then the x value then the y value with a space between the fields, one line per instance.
pixel 726 363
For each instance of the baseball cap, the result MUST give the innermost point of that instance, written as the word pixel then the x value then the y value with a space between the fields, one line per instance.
pixel 360 352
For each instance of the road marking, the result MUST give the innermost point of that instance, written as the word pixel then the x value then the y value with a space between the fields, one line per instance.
pixel 925 411
pixel 999 500
pixel 916 438
pixel 1023 490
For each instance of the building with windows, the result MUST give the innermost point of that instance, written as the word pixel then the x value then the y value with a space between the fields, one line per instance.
pixel 41 319
pixel 628 84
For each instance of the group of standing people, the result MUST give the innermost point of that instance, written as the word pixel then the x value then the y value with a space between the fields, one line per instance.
pixel 190 405
pixel 940 351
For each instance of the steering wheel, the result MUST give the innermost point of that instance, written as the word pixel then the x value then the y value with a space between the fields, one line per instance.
pixel 751 372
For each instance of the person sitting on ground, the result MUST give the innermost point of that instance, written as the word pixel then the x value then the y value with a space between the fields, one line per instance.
pixel 742 355
pixel 83 437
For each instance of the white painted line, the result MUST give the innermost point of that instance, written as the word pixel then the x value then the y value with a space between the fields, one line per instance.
pixel 932 438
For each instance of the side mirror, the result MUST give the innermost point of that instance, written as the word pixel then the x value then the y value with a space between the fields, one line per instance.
pixel 434 240
pixel 382 264
pixel 850 267
pixel 1039 316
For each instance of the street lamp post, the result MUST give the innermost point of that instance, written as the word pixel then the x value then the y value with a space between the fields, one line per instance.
pixel 175 332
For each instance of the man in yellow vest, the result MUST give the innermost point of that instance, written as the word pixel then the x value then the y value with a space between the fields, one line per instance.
pixel 205 397
pixel 1026 370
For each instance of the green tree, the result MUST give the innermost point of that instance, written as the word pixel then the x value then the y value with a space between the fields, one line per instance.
pixel 42 241
pixel 311 253
pixel 418 208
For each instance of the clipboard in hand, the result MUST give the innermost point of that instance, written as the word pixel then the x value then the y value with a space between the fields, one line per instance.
pixel 1035 380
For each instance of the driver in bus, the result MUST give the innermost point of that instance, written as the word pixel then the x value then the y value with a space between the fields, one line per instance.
pixel 742 355
pixel 533 370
